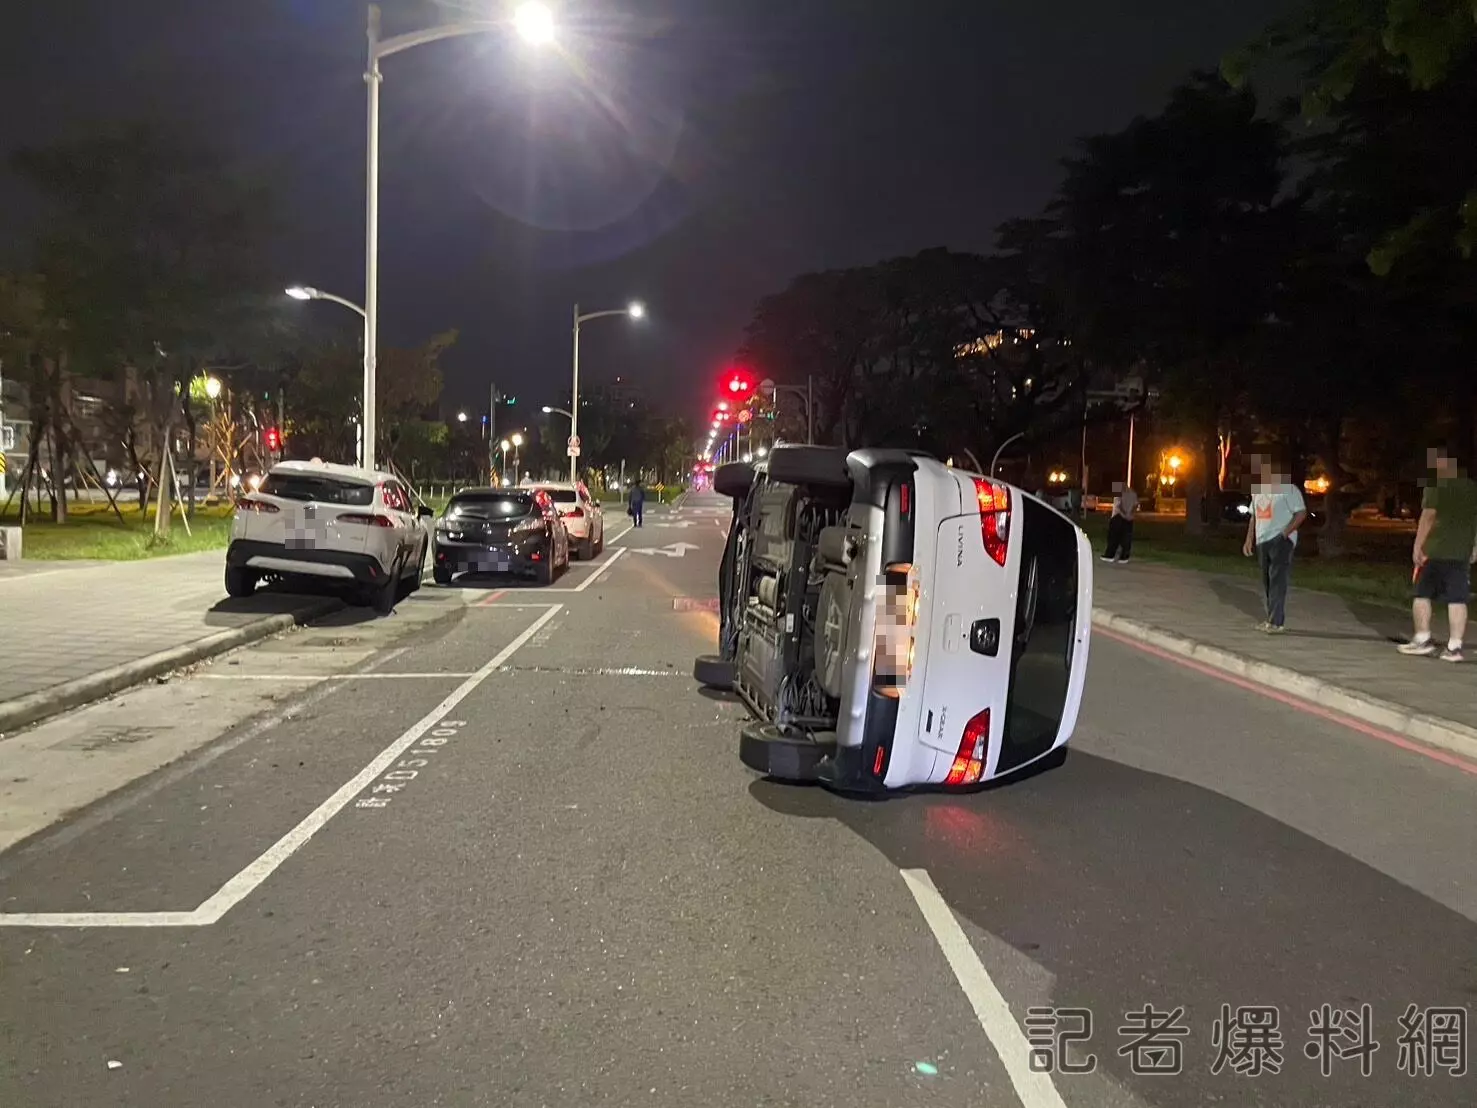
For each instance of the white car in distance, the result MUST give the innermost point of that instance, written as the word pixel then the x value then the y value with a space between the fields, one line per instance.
pixel 317 524
pixel 581 513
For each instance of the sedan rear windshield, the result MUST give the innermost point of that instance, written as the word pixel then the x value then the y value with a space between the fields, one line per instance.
pixel 491 505
pixel 317 488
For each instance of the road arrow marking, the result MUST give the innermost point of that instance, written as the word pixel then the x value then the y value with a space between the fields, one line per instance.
pixel 671 550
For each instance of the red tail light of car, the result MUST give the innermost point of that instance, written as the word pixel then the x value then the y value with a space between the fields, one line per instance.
pixel 367 520
pixel 993 499
pixel 578 513
pixel 974 746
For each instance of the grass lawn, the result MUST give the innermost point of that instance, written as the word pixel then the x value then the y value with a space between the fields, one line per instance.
pixel 92 532
pixel 1375 568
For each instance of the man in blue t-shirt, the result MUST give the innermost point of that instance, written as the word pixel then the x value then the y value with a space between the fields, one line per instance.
pixel 1277 511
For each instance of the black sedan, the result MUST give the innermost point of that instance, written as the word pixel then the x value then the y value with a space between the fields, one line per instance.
pixel 500 531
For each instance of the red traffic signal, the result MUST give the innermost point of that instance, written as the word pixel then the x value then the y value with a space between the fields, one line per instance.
pixel 273 438
pixel 740 383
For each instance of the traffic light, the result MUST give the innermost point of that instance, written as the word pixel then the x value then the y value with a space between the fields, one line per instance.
pixel 273 438
pixel 740 383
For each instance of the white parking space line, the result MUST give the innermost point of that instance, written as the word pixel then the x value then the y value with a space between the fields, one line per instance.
pixel 610 561
pixel 241 886
pixel 332 676
pixel 1036 1090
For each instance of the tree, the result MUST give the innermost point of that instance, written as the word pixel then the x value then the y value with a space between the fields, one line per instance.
pixel 153 252
pixel 937 350
pixel 1164 247
pixel 1346 47
pixel 326 383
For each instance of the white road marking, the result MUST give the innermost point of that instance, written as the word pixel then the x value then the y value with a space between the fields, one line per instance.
pixel 331 676
pixel 101 919
pixel 590 580
pixel 241 886
pixel 671 550
pixel 1035 1090
pixel 622 534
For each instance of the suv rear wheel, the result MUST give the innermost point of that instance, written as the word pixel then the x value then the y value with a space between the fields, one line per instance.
pixel 240 581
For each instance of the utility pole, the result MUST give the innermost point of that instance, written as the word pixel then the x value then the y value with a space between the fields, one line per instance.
pixel 492 399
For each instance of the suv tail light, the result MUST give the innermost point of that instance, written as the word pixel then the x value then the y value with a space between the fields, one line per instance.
pixel 974 746
pixel 994 505
pixel 366 519
pixel 246 504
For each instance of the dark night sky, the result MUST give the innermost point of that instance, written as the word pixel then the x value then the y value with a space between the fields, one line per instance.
pixel 694 153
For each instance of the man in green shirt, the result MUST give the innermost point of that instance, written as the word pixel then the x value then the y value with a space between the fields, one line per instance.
pixel 1445 548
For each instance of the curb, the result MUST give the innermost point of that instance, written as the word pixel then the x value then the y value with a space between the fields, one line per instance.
pixel 1434 731
pixel 37 706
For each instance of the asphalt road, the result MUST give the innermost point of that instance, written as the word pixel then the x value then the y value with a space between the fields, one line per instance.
pixel 515 861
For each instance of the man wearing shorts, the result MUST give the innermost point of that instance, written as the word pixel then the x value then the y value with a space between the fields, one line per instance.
pixel 1445 547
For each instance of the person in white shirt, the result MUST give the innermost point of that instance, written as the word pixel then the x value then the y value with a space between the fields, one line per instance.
pixel 1277 511
pixel 1120 523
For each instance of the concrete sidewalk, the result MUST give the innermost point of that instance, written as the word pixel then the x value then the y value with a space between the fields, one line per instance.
pixel 73 634
pixel 1336 653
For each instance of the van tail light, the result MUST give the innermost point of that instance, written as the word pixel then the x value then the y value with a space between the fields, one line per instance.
pixel 246 504
pixel 366 519
pixel 974 746
pixel 993 499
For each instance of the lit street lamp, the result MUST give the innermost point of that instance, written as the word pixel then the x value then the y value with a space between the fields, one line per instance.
pixel 550 411
pixel 213 387
pixel 535 24
pixel 634 310
pixel 517 445
pixel 305 292
pixel 461 417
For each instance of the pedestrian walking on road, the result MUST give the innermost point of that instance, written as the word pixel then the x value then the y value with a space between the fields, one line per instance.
pixel 636 501
pixel 1445 548
pixel 1277 511
pixel 1120 523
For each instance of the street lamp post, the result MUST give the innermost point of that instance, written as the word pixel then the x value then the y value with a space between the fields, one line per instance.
pixel 535 24
pixel 517 440
pixel 307 292
pixel 635 310
pixel 995 461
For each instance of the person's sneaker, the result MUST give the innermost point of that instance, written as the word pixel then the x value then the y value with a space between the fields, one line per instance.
pixel 1264 625
pixel 1422 649
pixel 1450 655
pixel 1107 559
pixel 1276 629
pixel 1123 561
